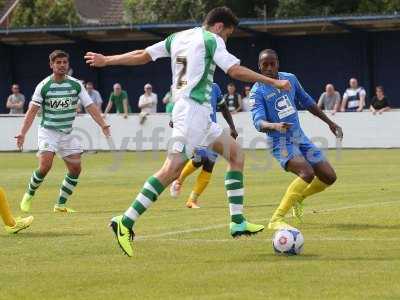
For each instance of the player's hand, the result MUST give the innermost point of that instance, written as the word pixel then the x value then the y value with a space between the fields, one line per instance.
pixel 234 133
pixel 95 59
pixel 106 130
pixel 282 127
pixel 283 85
pixel 337 130
pixel 360 109
pixel 20 141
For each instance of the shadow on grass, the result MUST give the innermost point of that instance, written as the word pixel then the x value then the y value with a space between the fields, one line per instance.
pixel 314 257
pixel 356 226
pixel 43 234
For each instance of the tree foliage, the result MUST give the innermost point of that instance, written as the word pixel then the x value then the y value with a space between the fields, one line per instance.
pixel 44 13
pixel 181 10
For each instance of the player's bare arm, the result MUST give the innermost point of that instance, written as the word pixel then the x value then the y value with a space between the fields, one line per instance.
pixel 244 74
pixel 228 118
pixel 26 125
pixel 95 114
pixel 133 58
pixel 125 104
pixel 336 129
pixel 281 127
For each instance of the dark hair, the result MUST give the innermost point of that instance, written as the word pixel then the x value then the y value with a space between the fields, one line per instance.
pixel 269 52
pixel 58 54
pixel 223 15
pixel 379 87
pixel 231 84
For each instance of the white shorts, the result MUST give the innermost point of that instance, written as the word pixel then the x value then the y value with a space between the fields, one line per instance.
pixel 192 127
pixel 61 143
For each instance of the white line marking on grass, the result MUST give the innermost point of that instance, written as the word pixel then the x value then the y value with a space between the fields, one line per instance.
pixel 151 236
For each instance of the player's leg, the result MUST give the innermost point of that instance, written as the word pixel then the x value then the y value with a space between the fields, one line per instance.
pixel 227 147
pixel 186 132
pixel 11 224
pixel 191 166
pixel 45 164
pixel 203 179
pixel 73 165
pixel 325 176
pixel 151 190
pixel 299 166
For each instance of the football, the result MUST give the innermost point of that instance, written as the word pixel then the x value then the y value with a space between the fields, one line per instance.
pixel 288 241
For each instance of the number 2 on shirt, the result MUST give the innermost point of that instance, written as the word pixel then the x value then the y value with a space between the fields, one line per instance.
pixel 181 60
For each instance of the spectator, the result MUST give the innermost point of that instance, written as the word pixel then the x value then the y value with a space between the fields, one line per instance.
pixel 168 101
pixel 246 99
pixel 16 100
pixel 353 97
pixel 379 103
pixel 94 95
pixel 147 103
pixel 233 99
pixel 330 99
pixel 119 98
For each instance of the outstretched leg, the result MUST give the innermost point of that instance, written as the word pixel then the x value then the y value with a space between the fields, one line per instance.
pixel 152 189
pixel 226 146
pixel 294 193
pixel 202 180
pixel 11 224
pixel 45 164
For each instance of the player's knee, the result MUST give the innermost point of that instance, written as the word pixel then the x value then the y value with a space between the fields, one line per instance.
pixel 75 170
pixel 331 178
pixel 208 165
pixel 307 175
pixel 236 157
pixel 44 168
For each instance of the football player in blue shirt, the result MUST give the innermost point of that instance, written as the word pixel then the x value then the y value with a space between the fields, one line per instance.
pixel 274 112
pixel 203 156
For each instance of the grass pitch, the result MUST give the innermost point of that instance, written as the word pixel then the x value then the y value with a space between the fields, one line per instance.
pixel 352 235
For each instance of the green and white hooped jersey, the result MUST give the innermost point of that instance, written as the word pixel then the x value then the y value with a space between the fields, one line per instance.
pixel 59 101
pixel 194 55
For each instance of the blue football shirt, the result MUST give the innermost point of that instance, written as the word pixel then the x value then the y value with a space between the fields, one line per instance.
pixel 273 105
pixel 216 101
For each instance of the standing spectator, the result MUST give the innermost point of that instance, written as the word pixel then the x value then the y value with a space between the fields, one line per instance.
pixel 119 98
pixel 16 100
pixel 379 102
pixel 147 103
pixel 330 99
pixel 353 97
pixel 94 95
pixel 168 101
pixel 246 99
pixel 233 99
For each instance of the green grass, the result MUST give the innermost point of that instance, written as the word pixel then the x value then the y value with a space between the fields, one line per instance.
pixel 352 235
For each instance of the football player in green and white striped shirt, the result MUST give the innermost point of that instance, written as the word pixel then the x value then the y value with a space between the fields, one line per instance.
pixel 57 97
pixel 194 54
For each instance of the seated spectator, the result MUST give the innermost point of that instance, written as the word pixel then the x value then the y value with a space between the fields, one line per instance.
pixel 119 98
pixel 94 95
pixel 147 103
pixel 233 99
pixel 246 99
pixel 379 102
pixel 330 99
pixel 16 101
pixel 353 97
pixel 168 101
